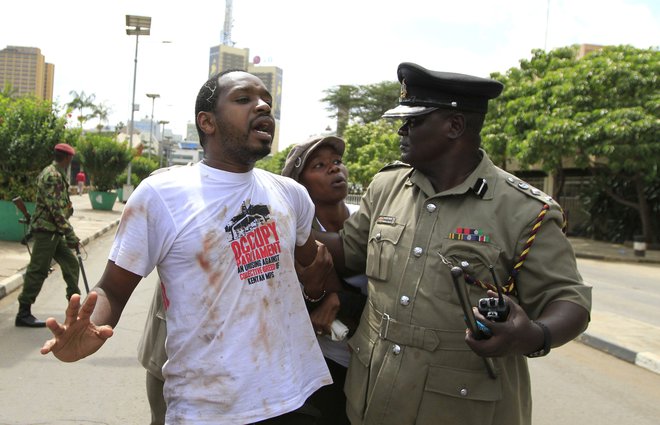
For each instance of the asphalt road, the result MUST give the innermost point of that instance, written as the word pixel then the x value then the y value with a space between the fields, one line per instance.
pixel 105 388
pixel 627 289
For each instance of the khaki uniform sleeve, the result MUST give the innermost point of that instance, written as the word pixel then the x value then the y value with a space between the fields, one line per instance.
pixel 355 236
pixel 549 272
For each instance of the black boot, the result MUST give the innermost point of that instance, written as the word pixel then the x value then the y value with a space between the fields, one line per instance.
pixel 24 318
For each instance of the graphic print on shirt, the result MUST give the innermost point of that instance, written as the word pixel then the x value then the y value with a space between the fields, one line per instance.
pixel 255 243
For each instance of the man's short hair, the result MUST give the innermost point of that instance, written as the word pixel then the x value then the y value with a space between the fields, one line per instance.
pixel 207 99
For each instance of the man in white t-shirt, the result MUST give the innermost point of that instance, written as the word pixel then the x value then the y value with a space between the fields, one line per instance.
pixel 223 237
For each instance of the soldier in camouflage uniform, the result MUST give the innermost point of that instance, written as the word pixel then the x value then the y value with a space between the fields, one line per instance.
pixel 53 235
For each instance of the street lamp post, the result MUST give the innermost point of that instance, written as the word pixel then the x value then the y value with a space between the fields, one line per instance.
pixel 153 97
pixel 137 26
pixel 162 140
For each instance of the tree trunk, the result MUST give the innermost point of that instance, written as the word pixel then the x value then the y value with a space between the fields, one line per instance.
pixel 558 182
pixel 644 210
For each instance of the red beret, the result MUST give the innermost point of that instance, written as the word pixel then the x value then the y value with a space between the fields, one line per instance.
pixel 67 149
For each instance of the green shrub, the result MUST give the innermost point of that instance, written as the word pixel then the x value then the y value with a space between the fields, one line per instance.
pixel 29 131
pixel 141 167
pixel 103 159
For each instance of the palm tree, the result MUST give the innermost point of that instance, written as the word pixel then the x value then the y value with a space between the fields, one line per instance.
pixel 80 102
pixel 341 99
pixel 101 111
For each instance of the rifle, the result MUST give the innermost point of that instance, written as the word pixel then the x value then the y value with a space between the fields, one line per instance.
pixel 18 201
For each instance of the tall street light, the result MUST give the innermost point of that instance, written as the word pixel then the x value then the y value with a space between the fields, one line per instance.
pixel 137 26
pixel 162 140
pixel 153 97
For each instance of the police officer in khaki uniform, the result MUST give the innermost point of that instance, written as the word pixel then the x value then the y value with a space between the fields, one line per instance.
pixel 448 206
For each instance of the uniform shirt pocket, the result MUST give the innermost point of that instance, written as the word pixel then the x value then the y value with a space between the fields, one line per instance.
pixel 475 258
pixel 459 396
pixel 383 242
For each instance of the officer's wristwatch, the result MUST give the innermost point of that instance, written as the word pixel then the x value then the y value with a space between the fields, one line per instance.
pixel 547 341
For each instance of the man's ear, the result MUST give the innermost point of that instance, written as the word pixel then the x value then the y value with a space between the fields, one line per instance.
pixel 206 121
pixel 456 125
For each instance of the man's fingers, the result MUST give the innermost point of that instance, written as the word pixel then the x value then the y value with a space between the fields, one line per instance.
pixel 54 327
pixel 104 332
pixel 88 306
pixel 72 310
pixel 48 346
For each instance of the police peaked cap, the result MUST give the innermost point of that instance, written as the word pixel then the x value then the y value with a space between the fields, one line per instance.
pixel 424 91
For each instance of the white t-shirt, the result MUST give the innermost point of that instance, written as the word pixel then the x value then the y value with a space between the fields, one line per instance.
pixel 240 344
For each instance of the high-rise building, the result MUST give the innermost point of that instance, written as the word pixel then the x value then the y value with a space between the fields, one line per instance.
pixel 24 71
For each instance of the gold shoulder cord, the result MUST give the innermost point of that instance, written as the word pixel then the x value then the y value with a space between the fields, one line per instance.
pixel 510 286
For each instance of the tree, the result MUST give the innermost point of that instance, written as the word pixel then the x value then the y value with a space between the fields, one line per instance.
pixel 274 163
pixel 369 147
pixel 621 128
pixel 141 168
pixel 80 102
pixel 360 104
pixel 533 120
pixel 600 112
pixel 375 99
pixel 341 99
pixel 101 112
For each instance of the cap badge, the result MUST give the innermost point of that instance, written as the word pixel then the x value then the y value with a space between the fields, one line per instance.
pixel 404 91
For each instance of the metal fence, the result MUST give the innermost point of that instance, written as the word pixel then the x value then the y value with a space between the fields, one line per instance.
pixel 354 198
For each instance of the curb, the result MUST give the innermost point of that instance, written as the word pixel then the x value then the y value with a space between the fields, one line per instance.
pixel 10 284
pixel 646 360
pixel 614 259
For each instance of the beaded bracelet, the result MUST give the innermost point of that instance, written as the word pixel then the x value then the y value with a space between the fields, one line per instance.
pixel 310 299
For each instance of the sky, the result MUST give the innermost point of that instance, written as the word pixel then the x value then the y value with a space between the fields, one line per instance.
pixel 318 44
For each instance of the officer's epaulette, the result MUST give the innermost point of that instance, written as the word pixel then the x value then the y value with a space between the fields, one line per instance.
pixel 395 164
pixel 530 190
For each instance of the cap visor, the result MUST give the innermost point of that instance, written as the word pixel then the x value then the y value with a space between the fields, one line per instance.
pixel 403 111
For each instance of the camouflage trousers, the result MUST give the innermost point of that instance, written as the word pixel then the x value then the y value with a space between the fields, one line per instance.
pixel 47 247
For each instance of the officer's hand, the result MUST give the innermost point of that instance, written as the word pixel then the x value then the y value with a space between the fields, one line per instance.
pixel 77 337
pixel 323 315
pixel 511 337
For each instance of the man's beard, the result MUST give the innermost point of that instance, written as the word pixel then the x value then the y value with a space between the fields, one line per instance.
pixel 236 144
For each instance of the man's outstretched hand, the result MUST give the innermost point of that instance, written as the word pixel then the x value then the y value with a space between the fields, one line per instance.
pixel 77 337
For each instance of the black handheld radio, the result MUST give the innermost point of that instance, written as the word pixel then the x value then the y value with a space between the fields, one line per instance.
pixel 494 309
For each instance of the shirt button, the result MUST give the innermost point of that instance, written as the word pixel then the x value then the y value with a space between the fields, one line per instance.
pixel 430 207
pixel 378 236
pixel 464 392
pixel 404 300
pixel 396 349
pixel 417 252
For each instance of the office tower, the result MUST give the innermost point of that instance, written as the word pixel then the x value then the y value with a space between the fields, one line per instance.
pixel 24 71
